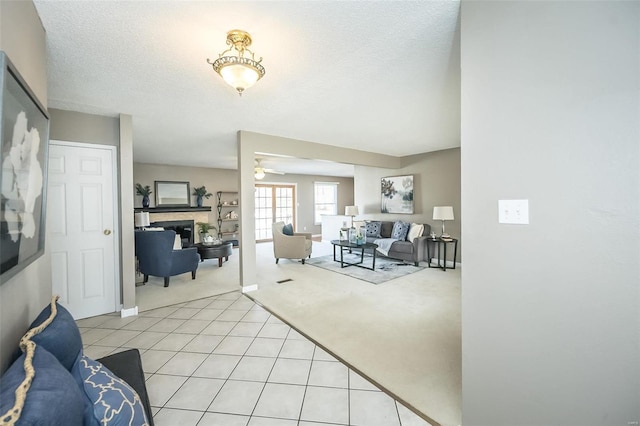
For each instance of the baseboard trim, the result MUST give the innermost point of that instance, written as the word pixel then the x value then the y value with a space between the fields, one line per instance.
pixel 249 288
pixel 131 312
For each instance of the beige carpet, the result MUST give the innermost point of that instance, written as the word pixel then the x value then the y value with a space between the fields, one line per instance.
pixel 210 281
pixel 404 334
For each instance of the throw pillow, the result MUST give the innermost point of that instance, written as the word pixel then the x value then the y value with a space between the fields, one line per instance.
pixel 373 229
pixel 415 231
pixel 400 230
pixel 51 398
pixel 56 331
pixel 177 243
pixel 287 229
pixel 115 403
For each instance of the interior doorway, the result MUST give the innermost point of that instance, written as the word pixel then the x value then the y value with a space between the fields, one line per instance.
pixel 273 203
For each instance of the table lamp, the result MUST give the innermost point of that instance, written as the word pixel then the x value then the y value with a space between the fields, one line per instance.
pixel 141 219
pixel 351 211
pixel 443 213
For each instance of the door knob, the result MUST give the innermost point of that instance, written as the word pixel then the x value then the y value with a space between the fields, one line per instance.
pixel 107 232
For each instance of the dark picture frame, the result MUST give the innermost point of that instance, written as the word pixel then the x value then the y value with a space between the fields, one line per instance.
pixel 397 194
pixel 172 194
pixel 24 132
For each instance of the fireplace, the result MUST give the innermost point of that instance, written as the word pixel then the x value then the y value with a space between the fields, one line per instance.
pixel 184 228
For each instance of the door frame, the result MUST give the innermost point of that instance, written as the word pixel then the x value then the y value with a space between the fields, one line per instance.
pixel 116 209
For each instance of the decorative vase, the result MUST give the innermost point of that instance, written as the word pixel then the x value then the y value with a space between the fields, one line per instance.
pixel 145 201
pixel 352 235
pixel 199 200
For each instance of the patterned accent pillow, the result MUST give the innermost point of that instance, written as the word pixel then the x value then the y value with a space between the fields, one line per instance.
pixel 373 229
pixel 115 403
pixel 400 230
pixel 287 229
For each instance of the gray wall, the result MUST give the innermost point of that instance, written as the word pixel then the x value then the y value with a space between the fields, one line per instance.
pixel 227 180
pixel 213 179
pixel 22 38
pixel 550 311
pixel 75 126
pixel 436 182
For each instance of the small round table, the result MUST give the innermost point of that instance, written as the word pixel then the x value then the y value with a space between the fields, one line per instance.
pixel 211 251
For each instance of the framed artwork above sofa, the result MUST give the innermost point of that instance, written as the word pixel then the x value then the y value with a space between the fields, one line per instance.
pixel 397 194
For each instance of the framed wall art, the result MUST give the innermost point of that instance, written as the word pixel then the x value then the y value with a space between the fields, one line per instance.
pixel 397 194
pixel 24 129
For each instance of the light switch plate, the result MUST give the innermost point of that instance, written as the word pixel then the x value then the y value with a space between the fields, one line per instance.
pixel 513 212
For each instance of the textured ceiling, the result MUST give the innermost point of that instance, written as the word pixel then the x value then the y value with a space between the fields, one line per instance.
pixel 378 76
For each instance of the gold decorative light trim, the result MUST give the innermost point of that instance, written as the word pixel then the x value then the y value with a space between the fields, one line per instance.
pixel 238 71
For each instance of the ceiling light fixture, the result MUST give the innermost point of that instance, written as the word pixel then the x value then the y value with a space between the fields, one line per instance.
pixel 238 71
pixel 259 173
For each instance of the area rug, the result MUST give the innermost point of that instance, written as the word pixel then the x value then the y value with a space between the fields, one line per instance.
pixel 386 269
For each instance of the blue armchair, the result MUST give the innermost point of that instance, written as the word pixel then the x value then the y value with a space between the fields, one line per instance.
pixel 157 257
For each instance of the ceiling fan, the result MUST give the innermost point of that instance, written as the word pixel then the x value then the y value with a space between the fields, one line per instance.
pixel 259 171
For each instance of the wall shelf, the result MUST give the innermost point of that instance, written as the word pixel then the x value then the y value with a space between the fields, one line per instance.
pixel 225 200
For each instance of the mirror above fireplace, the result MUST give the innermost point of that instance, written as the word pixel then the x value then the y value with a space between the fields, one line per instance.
pixel 172 194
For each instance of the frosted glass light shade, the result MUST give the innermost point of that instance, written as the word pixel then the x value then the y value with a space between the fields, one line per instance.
pixel 351 211
pixel 239 76
pixel 141 219
pixel 443 213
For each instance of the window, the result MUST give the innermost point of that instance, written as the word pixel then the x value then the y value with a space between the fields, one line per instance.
pixel 326 200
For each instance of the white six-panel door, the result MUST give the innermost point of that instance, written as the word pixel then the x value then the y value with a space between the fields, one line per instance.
pixel 81 225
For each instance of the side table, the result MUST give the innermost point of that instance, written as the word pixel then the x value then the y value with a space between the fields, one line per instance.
pixel 440 246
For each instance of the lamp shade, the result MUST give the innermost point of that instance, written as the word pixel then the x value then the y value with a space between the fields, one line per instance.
pixel 239 76
pixel 142 219
pixel 443 213
pixel 351 211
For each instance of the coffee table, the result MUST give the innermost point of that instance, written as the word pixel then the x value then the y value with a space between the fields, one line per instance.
pixel 343 244
pixel 212 251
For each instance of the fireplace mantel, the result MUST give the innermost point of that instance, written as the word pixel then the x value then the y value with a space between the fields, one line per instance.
pixel 172 209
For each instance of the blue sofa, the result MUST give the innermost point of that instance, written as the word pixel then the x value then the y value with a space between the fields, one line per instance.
pixel 51 381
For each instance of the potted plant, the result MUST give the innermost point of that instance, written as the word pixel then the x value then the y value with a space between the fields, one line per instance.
pixel 145 191
pixel 203 230
pixel 200 192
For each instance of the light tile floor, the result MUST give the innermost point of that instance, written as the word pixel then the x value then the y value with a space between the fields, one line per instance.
pixel 225 361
